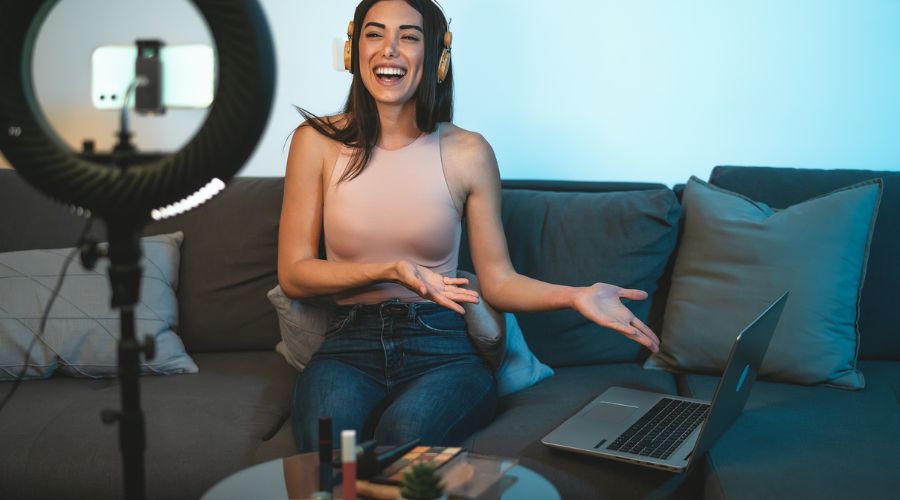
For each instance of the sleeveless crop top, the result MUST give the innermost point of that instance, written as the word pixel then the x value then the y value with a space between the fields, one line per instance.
pixel 399 207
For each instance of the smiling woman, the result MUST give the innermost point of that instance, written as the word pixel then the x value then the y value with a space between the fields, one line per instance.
pixel 387 182
pixel 423 81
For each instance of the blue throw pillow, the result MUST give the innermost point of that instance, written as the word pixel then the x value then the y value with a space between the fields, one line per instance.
pixel 737 255
pixel 520 368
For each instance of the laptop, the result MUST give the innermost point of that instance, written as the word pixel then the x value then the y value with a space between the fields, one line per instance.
pixel 663 431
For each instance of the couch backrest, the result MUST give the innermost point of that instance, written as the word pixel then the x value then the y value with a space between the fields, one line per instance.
pixel 228 263
pixel 32 220
pixel 229 255
pixel 783 187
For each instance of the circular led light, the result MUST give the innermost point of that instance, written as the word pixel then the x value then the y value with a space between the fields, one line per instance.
pixel 236 120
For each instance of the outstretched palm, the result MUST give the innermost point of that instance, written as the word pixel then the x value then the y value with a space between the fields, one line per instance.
pixel 602 304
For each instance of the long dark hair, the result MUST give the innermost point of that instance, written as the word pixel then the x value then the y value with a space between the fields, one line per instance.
pixel 360 128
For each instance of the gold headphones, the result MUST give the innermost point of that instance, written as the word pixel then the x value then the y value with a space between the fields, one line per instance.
pixel 443 63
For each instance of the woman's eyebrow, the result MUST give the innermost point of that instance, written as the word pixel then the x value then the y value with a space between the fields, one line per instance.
pixel 402 26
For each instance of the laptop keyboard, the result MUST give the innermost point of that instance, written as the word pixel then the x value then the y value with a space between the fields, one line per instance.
pixel 662 429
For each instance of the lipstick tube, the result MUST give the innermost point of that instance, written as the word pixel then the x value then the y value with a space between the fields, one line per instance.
pixel 325 447
pixel 348 464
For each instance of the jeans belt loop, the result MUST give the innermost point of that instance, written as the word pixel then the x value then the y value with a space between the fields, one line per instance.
pixel 352 314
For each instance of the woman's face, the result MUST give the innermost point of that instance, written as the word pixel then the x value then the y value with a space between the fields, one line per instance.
pixel 392 51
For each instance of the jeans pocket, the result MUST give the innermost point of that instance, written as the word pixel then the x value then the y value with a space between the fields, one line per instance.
pixel 445 322
pixel 338 324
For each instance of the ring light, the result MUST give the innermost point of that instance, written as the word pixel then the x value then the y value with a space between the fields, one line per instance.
pixel 125 197
pixel 235 122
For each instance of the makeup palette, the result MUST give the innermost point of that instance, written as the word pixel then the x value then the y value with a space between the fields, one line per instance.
pixel 436 455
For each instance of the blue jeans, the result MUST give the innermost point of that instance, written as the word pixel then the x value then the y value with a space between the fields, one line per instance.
pixel 395 372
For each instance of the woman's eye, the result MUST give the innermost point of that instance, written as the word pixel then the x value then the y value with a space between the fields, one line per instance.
pixel 373 35
pixel 411 38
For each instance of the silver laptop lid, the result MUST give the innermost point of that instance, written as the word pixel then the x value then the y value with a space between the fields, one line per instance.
pixel 731 395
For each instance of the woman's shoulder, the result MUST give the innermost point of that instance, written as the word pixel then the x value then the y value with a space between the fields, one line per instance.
pixel 460 141
pixel 467 157
pixel 307 131
pixel 309 138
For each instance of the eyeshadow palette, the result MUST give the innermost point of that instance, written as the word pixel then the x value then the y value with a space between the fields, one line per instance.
pixel 436 455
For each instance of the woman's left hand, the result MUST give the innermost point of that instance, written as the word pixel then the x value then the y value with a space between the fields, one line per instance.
pixel 601 303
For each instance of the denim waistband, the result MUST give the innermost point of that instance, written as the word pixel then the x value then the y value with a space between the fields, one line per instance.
pixel 391 308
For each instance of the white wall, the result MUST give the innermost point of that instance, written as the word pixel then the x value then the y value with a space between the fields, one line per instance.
pixel 645 90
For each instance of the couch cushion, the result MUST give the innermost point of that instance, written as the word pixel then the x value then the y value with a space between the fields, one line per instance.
pixel 280 445
pixel 228 262
pixel 738 255
pixel 622 238
pixel 525 417
pixel 782 187
pixel 808 442
pixel 200 428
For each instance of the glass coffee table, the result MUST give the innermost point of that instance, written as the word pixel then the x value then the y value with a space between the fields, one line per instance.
pixel 297 476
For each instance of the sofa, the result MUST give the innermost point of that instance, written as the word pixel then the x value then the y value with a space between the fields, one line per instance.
pixel 792 441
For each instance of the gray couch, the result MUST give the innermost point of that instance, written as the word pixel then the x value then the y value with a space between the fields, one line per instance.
pixel 791 441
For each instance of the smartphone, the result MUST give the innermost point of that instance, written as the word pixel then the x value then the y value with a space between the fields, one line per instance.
pixel 188 75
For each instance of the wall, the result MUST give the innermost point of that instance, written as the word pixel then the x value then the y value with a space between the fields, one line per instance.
pixel 598 90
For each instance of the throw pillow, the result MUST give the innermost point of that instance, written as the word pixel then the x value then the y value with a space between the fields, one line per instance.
pixel 521 368
pixel 783 187
pixel 302 324
pixel 485 325
pixel 82 331
pixel 737 255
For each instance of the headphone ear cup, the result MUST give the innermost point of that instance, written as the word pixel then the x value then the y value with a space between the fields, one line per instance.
pixel 348 48
pixel 348 56
pixel 443 66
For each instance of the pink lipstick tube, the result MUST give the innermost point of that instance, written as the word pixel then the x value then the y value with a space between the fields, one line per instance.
pixel 348 464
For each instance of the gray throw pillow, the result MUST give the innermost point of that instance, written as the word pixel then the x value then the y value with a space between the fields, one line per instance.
pixel 737 255
pixel 302 324
pixel 82 331
pixel 486 325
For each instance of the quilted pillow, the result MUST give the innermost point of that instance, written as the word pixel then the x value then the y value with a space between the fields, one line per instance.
pixel 82 331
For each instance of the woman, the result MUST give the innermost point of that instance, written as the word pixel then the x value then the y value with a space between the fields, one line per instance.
pixel 387 181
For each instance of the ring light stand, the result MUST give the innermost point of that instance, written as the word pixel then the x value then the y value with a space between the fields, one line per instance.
pixel 125 197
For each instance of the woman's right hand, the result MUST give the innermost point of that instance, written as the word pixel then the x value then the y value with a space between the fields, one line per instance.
pixel 430 285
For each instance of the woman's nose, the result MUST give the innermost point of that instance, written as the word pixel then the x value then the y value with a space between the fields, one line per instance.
pixel 390 46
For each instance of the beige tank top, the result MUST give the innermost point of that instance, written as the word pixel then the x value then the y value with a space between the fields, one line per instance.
pixel 399 207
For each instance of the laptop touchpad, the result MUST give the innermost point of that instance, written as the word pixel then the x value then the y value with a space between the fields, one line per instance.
pixel 610 413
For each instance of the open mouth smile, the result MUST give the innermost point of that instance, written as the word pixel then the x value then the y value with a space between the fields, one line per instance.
pixel 389 75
